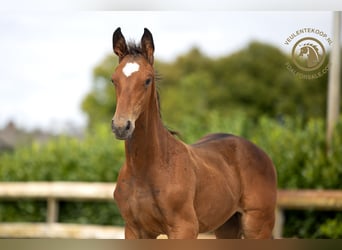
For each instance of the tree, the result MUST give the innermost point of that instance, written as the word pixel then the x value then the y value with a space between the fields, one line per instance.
pixel 254 80
pixel 99 104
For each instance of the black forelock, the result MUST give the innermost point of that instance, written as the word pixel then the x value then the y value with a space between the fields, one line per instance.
pixel 134 49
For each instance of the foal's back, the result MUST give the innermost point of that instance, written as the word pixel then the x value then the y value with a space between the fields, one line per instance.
pixel 238 153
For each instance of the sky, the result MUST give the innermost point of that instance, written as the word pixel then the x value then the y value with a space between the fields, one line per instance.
pixel 47 56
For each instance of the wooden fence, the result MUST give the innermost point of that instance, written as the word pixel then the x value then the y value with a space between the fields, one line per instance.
pixel 53 192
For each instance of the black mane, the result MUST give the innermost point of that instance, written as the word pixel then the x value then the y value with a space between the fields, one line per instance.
pixel 135 49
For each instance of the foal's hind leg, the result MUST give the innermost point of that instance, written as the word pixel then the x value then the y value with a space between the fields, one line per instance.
pixel 231 229
pixel 257 224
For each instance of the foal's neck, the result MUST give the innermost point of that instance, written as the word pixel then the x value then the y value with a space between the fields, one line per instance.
pixel 149 142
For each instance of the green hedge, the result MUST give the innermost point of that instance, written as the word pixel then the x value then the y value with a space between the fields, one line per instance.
pixel 297 149
pixel 96 158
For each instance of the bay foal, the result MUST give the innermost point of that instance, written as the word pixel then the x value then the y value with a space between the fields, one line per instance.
pixel 222 183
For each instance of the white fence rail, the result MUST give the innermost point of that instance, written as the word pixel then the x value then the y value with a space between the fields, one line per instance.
pixel 56 191
pixel 53 192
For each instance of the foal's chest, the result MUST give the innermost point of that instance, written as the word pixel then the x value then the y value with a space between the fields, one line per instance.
pixel 139 204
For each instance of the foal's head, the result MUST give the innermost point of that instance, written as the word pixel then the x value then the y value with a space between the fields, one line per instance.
pixel 133 79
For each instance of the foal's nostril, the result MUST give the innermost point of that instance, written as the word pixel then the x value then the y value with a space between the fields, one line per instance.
pixel 128 125
pixel 122 128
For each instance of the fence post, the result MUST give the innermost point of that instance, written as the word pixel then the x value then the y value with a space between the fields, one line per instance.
pixel 52 210
pixel 279 223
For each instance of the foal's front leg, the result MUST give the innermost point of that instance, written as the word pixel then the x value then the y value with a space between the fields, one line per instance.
pixel 184 230
pixel 132 233
pixel 183 226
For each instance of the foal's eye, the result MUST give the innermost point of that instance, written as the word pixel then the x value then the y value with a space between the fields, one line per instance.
pixel 148 82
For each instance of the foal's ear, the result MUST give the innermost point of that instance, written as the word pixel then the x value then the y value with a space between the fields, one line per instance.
pixel 147 46
pixel 119 44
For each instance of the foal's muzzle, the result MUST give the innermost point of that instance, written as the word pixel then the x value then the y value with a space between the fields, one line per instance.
pixel 123 129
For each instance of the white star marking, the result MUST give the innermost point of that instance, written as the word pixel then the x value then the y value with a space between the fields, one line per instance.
pixel 130 68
